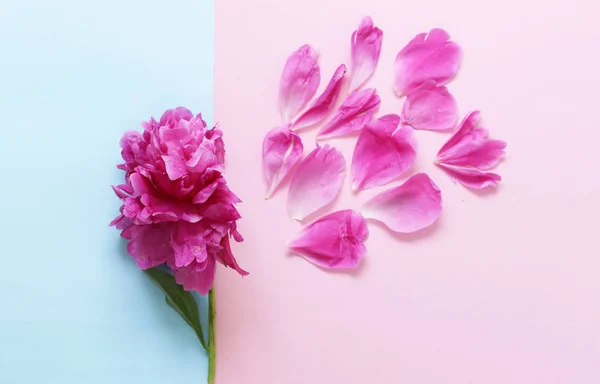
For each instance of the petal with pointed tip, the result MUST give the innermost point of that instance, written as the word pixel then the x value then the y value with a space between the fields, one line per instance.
pixel 321 107
pixel 299 81
pixel 317 182
pixel 282 149
pixel 357 110
pixel 365 48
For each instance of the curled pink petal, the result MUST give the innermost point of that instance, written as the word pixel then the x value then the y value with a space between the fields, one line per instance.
pixel 431 108
pixel 469 152
pixel 317 182
pixel 471 177
pixel 412 206
pixel 382 153
pixel 333 241
pixel 365 46
pixel 299 81
pixel 427 57
pixel 321 107
pixel 282 149
pixel 357 110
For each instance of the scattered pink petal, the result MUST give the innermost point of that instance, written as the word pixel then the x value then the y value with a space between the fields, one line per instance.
pixel 469 152
pixel 412 206
pixel 430 107
pixel 357 110
pixel 317 182
pixel 426 57
pixel 282 149
pixel 382 153
pixel 333 241
pixel 299 81
pixel 321 107
pixel 366 46
pixel 471 177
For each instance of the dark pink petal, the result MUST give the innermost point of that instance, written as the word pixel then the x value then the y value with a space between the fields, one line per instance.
pixel 430 107
pixel 471 177
pixel 317 182
pixel 197 280
pixel 382 153
pixel 299 81
pixel 226 257
pixel 321 107
pixel 150 245
pixel 427 57
pixel 414 205
pixel 365 46
pixel 357 110
pixel 188 244
pixel 282 149
pixel 333 241
pixel 470 146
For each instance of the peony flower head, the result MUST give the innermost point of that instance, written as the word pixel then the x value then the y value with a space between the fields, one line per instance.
pixel 177 207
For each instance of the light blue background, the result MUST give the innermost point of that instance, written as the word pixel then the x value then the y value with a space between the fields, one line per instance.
pixel 74 75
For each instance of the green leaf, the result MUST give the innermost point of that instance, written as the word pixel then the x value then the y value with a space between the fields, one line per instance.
pixel 179 299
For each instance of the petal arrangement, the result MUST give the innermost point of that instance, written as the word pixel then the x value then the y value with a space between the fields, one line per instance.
pixel 385 149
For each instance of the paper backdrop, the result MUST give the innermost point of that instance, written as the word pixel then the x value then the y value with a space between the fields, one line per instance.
pixel 505 288
pixel 74 75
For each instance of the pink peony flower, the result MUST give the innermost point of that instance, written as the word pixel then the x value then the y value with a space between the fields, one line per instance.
pixel 177 207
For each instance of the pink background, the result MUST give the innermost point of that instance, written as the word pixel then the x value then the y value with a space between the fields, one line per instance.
pixel 505 288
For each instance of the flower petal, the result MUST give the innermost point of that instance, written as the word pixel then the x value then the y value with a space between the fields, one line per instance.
pixel 150 245
pixel 414 205
pixel 282 149
pixel 317 182
pixel 333 241
pixel 470 146
pixel 366 46
pixel 226 257
pixel 197 280
pixel 299 81
pixel 382 153
pixel 471 177
pixel 357 110
pixel 188 244
pixel 321 107
pixel 430 107
pixel 426 57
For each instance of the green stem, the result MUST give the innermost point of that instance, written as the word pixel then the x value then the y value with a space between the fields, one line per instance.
pixel 212 350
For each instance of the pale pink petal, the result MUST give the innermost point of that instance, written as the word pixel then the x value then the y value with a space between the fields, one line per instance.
pixel 150 245
pixel 282 149
pixel 471 177
pixel 426 57
pixel 197 280
pixel 299 81
pixel 333 241
pixel 430 107
pixel 412 206
pixel 317 182
pixel 357 110
pixel 365 46
pixel 321 107
pixel 382 153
